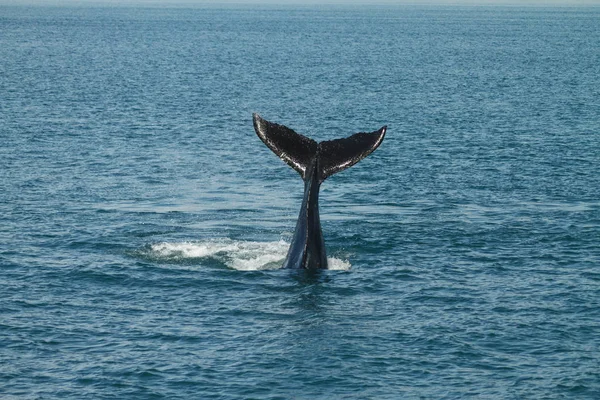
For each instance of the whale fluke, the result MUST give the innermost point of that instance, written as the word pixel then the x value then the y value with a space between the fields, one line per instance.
pixel 298 151
pixel 315 162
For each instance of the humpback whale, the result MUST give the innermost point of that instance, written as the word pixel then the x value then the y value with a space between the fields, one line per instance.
pixel 315 162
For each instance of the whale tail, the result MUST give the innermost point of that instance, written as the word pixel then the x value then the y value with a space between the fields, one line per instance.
pixel 299 152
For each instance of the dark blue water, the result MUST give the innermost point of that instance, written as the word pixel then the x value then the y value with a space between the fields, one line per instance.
pixel 142 221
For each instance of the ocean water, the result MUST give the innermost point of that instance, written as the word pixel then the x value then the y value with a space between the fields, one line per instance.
pixel 143 223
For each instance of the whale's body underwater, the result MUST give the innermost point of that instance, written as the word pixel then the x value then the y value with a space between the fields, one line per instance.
pixel 315 162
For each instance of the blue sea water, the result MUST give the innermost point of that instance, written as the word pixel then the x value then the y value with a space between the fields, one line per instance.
pixel 142 222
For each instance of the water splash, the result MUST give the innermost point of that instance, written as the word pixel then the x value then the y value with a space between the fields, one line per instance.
pixel 236 254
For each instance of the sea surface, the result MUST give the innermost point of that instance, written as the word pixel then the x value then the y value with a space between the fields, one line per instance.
pixel 143 223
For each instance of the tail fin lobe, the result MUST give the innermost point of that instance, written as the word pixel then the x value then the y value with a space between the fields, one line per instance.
pixel 337 155
pixel 295 149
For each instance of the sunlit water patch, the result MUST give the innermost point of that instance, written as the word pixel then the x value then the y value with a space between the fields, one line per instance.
pixel 236 254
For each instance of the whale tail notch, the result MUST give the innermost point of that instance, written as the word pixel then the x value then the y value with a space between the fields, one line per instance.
pixel 299 152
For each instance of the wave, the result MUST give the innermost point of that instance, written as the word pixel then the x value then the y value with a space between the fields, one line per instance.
pixel 236 254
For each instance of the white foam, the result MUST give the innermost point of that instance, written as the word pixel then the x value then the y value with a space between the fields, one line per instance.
pixel 338 264
pixel 236 254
